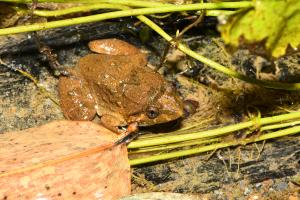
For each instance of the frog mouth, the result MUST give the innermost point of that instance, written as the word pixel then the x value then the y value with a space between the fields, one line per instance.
pixel 162 127
pixel 162 119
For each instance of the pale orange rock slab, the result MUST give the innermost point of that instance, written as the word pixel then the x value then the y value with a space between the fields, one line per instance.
pixel 63 160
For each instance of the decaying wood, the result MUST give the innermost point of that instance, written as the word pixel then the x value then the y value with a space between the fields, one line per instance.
pixel 24 43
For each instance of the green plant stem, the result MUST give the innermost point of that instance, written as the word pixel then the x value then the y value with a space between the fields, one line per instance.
pixel 87 8
pixel 281 125
pixel 280 133
pixel 215 65
pixel 132 3
pixel 135 3
pixel 216 13
pixel 176 145
pixel 76 9
pixel 212 133
pixel 123 13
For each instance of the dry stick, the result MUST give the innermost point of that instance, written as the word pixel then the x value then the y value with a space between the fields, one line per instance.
pixel 51 57
pixel 167 48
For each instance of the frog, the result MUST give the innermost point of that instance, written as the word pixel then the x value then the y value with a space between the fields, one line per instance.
pixel 115 83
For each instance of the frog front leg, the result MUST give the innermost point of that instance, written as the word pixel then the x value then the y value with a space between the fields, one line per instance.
pixel 114 124
pixel 75 99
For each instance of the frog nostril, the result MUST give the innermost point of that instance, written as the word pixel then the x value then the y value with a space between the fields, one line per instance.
pixel 152 112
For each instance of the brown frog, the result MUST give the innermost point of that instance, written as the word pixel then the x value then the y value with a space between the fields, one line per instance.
pixel 116 84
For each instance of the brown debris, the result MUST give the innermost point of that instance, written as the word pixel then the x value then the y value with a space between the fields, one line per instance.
pixel 63 160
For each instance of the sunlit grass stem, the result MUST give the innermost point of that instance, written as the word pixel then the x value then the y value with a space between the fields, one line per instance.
pixel 176 145
pixel 88 8
pixel 118 14
pixel 280 133
pixel 214 132
pixel 278 126
pixel 83 8
pixel 132 3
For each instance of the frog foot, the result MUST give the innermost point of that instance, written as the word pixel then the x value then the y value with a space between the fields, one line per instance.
pixel 112 123
pixel 128 135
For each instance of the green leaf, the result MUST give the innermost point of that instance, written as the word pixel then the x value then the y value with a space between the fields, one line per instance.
pixel 276 22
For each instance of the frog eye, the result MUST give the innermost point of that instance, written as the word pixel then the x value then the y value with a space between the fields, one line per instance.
pixel 152 112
